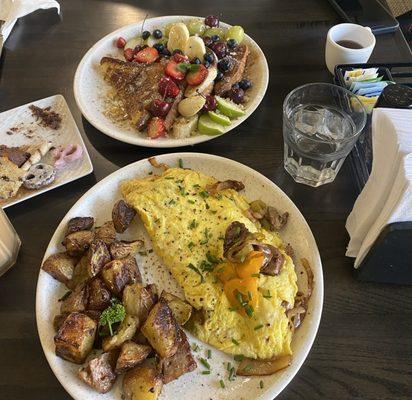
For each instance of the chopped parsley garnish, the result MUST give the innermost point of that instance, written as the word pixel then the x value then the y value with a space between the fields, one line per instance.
pixel 257 327
pixel 235 342
pixel 205 266
pixel 207 206
pixel 211 258
pixel 249 295
pixel 207 235
pixel 261 385
pixel 171 202
pixel 204 363
pixel 180 163
pixel 239 357
pixel 255 275
pixel 248 367
pixel 222 384
pixel 232 374
pixel 196 186
pixel 219 196
pixel 191 245
pixel 112 315
pixel 233 309
pixel 193 268
pixel 205 372
pixel 204 194
pixel 229 366
pixel 209 354
pixel 267 296
pixel 143 253
pixel 195 347
pixel 249 310
pixel 193 224
pixel 169 177
pixel 191 201
pixel 239 298
pixel 181 190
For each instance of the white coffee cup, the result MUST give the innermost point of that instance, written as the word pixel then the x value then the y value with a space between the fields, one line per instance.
pixel 336 54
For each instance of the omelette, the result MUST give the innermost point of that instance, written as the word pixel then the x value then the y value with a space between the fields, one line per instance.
pixel 239 309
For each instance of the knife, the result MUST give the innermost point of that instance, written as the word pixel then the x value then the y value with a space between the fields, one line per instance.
pixel 1 36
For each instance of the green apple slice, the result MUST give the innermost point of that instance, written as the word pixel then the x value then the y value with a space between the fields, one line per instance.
pixel 219 118
pixel 229 108
pixel 207 127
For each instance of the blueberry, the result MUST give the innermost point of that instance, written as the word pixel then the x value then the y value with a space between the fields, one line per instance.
pixel 235 86
pixel 157 34
pixel 145 35
pixel 224 64
pixel 215 38
pixel 177 51
pixel 209 57
pixel 231 44
pixel 159 47
pixel 245 84
pixel 206 64
pixel 166 52
pixel 219 76
pixel 196 61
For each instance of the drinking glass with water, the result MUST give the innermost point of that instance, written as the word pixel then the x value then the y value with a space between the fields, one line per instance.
pixel 9 243
pixel 321 123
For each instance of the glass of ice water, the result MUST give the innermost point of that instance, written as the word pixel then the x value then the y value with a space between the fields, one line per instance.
pixel 321 123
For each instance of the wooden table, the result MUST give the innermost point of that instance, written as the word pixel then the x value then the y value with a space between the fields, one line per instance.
pixel 363 348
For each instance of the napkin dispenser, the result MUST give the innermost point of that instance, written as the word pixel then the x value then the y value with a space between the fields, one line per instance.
pixel 389 260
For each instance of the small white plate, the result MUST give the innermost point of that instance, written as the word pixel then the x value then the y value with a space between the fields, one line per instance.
pixel 98 202
pixel 29 132
pixel 90 87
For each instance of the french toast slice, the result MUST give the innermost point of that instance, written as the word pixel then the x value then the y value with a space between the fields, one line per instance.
pixel 238 57
pixel 135 84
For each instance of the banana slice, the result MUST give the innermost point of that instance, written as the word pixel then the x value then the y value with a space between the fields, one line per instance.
pixel 191 106
pixel 178 36
pixel 195 48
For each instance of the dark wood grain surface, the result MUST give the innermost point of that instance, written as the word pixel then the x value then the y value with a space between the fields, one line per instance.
pixel 363 348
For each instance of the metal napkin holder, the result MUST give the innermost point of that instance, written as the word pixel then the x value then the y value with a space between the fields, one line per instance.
pixel 389 260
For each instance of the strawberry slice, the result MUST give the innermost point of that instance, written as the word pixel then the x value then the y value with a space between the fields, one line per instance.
pixel 147 55
pixel 196 75
pixel 128 54
pixel 175 71
pixel 156 128
pixel 167 88
pixel 180 58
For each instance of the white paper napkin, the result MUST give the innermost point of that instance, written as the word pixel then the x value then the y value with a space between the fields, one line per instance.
pixel 11 10
pixel 398 207
pixel 391 142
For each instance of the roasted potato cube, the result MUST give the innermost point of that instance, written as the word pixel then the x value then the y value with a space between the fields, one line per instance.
pixel 77 224
pixel 76 300
pixel 99 295
pixel 138 300
pixel 180 308
pixel 77 243
pixel 252 367
pixel 91 263
pixel 122 216
pixel 161 329
pixel 58 321
pixel 119 273
pixel 130 355
pixel 126 331
pixel 75 338
pixel 99 372
pixel 142 382
pixel 180 363
pixel 60 266
pixel 124 249
pixel 106 232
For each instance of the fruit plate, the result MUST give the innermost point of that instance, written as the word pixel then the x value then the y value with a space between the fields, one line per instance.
pixel 99 200
pixel 90 89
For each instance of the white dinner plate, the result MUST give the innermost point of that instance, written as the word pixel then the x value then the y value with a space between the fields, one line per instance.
pixel 98 202
pixel 18 127
pixel 90 88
